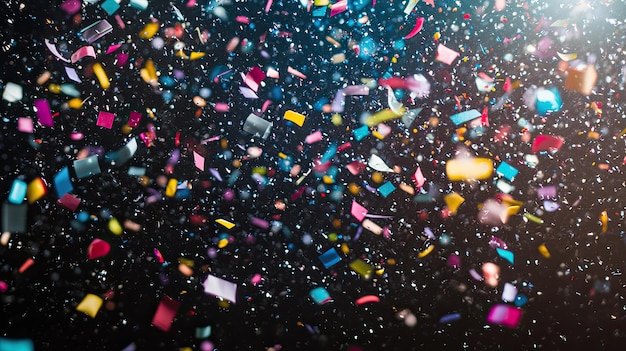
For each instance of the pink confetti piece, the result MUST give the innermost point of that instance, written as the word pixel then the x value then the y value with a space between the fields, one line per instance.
pixel 165 313
pixel 418 178
pixel 254 78
pixel 71 6
pixel 268 5
pixel 98 248
pixel 272 73
pixel 122 58
pixel 44 115
pixel 313 137
pixel 505 315
pixel 69 201
pixel 338 7
pixel 256 279
pixel 261 223
pixel 367 299
pixel 198 160
pixel 221 107
pixel 266 104
pixel 419 23
pixel 82 52
pixel 113 48
pixel 242 19
pixel 295 72
pixel 356 90
pixel 25 125
pixel 547 143
pixel 120 22
pixel 446 55
pixel 134 119
pixel 430 2
pixel 356 167
pixel 358 211
pixel 105 119
pixel 55 52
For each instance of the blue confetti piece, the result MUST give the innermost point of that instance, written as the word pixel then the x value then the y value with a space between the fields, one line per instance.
pixel 465 116
pixel 506 254
pixel 62 182
pixel 18 192
pixel 507 171
pixel 520 300
pixel 386 189
pixel 16 345
pixel 110 6
pixel 320 295
pixel 330 258
pixel 361 132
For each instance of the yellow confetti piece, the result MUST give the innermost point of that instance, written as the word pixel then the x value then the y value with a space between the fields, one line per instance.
pixel 36 190
pixel 604 218
pixel 90 305
pixel 149 30
pixel 294 117
pixel 75 103
pixel 222 243
pixel 426 252
pixel 543 250
pixel 148 73
pixel 170 189
pixel 453 201
pixel 115 227
pixel 567 57
pixel 103 79
pixel 383 116
pixel 533 218
pixel 512 210
pixel 225 223
pixel 362 268
pixel 378 135
pixel 54 88
pixel 196 55
pixel 469 169
pixel 321 3
pixel 345 248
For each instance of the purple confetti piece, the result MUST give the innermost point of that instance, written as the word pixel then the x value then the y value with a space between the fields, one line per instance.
pixel 43 113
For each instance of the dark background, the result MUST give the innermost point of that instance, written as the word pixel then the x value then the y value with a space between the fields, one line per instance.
pixel 575 297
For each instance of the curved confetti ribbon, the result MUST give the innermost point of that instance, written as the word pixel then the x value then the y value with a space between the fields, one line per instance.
pixel 419 23
pixel 367 299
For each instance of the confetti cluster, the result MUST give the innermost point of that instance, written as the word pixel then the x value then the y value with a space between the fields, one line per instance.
pixel 321 174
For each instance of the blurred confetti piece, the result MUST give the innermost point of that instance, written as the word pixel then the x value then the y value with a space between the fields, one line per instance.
pixel 149 30
pixel 29 262
pixel 543 250
pixel 98 248
pixel 165 313
pixel 546 143
pixel 472 168
pixel 7 344
pixel 504 315
pixel 446 55
pixel 220 288
pixel 491 272
pixel 103 79
pixel 90 305
pixel 367 299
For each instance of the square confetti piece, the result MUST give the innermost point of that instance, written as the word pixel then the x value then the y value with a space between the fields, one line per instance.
pixel 105 119
pixel 330 258
pixel 386 189
pixel 90 305
pixel 110 6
